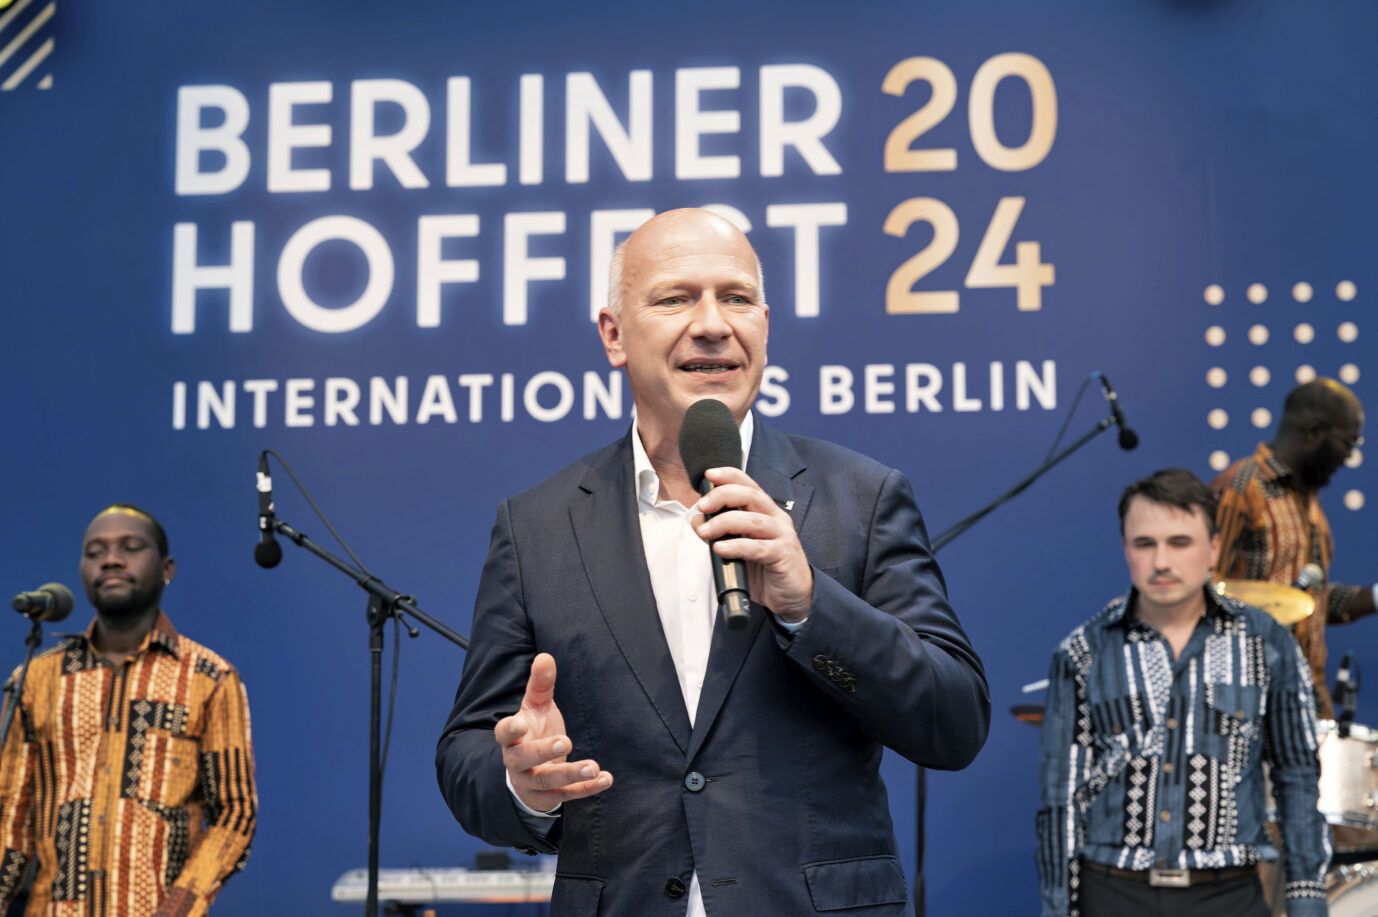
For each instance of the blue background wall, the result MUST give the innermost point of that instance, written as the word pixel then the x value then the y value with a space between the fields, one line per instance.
pixel 1195 144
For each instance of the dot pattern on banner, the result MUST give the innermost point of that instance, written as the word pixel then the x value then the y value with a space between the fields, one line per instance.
pixel 1260 376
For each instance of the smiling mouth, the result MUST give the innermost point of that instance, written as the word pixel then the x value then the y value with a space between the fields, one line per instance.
pixel 711 368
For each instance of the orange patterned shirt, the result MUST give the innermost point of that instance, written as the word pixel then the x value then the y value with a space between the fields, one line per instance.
pixel 134 784
pixel 1270 527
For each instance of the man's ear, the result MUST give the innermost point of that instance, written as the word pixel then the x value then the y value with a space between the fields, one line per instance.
pixel 169 570
pixel 610 331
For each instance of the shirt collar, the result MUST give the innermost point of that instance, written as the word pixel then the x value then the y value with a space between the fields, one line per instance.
pixel 1270 467
pixel 648 482
pixel 161 634
pixel 1119 612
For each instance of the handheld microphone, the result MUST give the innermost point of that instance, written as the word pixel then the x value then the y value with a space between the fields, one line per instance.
pixel 1128 438
pixel 1311 575
pixel 49 602
pixel 267 553
pixel 709 438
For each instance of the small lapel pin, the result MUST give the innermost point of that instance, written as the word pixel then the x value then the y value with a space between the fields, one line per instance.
pixel 789 506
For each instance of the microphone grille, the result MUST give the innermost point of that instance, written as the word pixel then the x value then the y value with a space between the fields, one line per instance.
pixel 63 601
pixel 1310 576
pixel 267 554
pixel 708 438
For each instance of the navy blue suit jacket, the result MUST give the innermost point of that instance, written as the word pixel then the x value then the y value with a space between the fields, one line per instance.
pixel 791 816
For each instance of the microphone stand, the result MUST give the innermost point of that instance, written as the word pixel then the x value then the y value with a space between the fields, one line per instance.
pixel 949 534
pixel 944 538
pixel 15 687
pixel 383 603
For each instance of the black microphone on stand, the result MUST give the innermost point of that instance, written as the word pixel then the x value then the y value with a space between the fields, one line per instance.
pixel 1346 694
pixel 1128 438
pixel 49 602
pixel 709 438
pixel 267 553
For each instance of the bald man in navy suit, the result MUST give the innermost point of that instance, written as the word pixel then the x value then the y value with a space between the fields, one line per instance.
pixel 676 765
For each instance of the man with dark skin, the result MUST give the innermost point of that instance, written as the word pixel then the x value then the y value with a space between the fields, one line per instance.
pixel 138 735
pixel 1270 517
pixel 124 570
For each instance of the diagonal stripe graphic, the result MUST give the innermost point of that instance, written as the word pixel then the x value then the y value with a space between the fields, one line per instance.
pixel 15 10
pixel 27 33
pixel 34 60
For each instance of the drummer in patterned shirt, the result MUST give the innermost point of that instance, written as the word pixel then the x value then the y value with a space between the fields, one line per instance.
pixel 1270 517
pixel 129 772
pixel 1161 712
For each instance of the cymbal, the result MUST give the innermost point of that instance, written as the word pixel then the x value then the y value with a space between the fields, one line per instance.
pixel 1286 604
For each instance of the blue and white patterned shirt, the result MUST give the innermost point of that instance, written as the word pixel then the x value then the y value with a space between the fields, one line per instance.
pixel 1152 762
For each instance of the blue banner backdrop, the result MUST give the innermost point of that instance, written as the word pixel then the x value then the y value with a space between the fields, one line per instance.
pixel 372 237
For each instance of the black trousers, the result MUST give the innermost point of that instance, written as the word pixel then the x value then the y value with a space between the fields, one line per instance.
pixel 1104 895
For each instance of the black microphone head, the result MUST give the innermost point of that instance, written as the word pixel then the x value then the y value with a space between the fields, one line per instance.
pixel 708 438
pixel 1128 439
pixel 63 602
pixel 267 553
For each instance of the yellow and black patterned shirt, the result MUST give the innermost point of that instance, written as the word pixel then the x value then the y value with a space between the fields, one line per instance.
pixel 134 784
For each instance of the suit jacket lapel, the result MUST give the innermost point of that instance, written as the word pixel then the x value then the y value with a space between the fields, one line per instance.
pixel 774 464
pixel 608 536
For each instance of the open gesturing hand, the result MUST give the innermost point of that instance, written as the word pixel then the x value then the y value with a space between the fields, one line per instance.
pixel 534 747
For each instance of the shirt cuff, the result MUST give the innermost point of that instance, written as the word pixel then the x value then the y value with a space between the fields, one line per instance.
pixel 790 628
pixel 543 819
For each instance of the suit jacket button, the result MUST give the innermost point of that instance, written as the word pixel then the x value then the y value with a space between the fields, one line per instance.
pixel 674 887
pixel 694 782
pixel 821 663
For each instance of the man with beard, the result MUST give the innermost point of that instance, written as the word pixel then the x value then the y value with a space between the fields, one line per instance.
pixel 129 771
pixel 1270 518
pixel 679 765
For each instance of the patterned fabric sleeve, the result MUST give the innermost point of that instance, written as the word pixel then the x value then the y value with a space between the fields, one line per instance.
pixel 230 802
pixel 1336 596
pixel 1233 519
pixel 1290 748
pixel 16 795
pixel 1064 758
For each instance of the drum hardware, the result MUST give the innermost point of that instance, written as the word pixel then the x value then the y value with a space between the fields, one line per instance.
pixel 1346 861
